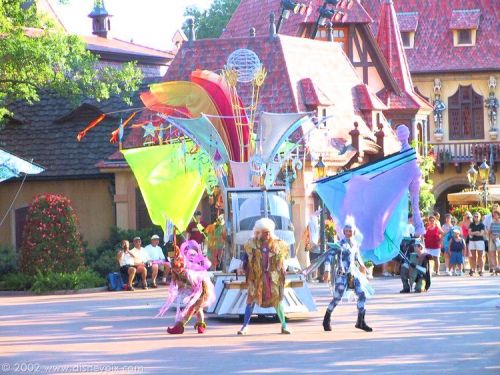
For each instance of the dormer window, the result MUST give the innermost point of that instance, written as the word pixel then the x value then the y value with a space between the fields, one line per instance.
pixel 408 38
pixel 464 25
pixel 408 23
pixel 464 37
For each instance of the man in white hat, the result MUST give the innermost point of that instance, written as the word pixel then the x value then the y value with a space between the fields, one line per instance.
pixel 157 259
pixel 264 265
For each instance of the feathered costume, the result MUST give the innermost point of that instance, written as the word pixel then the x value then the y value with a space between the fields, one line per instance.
pixel 190 287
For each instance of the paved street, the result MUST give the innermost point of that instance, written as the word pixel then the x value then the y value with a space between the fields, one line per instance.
pixel 455 328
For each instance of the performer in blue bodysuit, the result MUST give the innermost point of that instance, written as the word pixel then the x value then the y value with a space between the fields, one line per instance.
pixel 346 275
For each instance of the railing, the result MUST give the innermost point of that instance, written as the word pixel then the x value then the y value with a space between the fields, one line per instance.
pixel 470 152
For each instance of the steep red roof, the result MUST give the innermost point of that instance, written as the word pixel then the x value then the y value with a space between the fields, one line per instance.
pixel 293 83
pixel 433 50
pixel 465 19
pixel 366 100
pixel 390 43
pixel 255 13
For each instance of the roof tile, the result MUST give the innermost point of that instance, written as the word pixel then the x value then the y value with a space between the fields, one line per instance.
pixel 465 19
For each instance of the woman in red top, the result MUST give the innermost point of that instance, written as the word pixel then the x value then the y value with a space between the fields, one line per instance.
pixel 433 236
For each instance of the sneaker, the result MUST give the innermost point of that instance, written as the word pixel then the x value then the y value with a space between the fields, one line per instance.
pixel 243 331
pixel 449 273
pixel 471 273
pixel 480 273
pixel 285 331
pixel 386 274
pixel 461 273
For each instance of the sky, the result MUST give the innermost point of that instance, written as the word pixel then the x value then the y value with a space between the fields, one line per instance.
pixel 150 23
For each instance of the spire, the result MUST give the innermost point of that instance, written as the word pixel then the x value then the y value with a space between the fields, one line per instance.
pixel 391 45
pixel 101 24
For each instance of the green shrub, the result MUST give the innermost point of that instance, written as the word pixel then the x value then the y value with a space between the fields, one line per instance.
pixel 16 281
pixel 51 241
pixel 50 281
pixel 8 260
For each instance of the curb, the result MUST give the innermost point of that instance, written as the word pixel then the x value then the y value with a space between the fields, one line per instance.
pixel 14 293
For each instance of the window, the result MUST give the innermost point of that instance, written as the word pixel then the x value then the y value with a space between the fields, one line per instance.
pixel 142 216
pixel 466 114
pixel 464 37
pixel 405 36
pixel 20 221
pixel 339 36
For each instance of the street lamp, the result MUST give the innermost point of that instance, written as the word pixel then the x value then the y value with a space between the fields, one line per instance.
pixel 320 168
pixel 472 177
pixel 484 171
pixel 288 7
pixel 325 14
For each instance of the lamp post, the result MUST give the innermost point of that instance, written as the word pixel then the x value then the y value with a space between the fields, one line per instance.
pixel 320 170
pixel 484 171
pixel 325 14
pixel 288 7
pixel 472 177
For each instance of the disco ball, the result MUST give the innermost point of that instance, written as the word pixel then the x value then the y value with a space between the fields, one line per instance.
pixel 245 62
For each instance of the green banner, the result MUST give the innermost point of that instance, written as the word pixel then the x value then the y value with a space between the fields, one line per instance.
pixel 172 180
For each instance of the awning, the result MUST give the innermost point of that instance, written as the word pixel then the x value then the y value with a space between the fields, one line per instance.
pixel 12 166
pixel 474 197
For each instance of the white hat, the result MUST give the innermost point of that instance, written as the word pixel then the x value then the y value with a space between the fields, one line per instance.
pixel 155 237
pixel 265 224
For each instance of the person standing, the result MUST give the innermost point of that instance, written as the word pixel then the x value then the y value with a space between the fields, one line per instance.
pixel 432 239
pixel 494 245
pixel 313 241
pixel 264 267
pixel 476 244
pixel 447 235
pixel 347 275
pixel 195 229
pixel 457 248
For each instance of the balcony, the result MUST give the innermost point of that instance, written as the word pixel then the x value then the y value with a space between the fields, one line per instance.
pixel 458 154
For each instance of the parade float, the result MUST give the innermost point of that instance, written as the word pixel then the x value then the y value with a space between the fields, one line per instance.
pixel 199 138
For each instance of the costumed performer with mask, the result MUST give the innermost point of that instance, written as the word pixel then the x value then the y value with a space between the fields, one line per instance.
pixel 347 276
pixel 190 286
pixel 264 267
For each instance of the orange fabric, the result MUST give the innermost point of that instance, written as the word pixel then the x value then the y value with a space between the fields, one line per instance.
pixel 114 134
pixel 80 135
pixel 180 94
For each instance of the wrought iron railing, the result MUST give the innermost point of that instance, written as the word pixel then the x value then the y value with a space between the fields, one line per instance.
pixel 469 152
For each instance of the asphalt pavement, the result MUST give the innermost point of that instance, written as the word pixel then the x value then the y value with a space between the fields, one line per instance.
pixel 454 328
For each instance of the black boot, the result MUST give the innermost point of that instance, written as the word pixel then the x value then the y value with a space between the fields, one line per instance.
pixel 326 321
pixel 360 324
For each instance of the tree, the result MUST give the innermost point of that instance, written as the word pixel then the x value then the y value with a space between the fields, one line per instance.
pixel 35 53
pixel 51 241
pixel 211 23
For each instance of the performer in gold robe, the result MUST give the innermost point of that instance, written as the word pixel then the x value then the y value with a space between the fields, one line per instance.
pixel 264 266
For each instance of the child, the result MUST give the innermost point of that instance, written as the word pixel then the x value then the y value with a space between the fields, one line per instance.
pixel 457 252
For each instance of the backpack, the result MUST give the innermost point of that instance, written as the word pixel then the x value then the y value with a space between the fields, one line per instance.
pixel 115 282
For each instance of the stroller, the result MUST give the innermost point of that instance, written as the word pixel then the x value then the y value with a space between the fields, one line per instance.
pixel 415 267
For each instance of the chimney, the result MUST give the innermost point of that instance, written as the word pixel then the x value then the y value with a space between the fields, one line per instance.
pixel 101 24
pixel 191 34
pixel 272 26
pixel 329 31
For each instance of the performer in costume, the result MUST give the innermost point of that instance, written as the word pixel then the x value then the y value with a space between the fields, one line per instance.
pixel 216 241
pixel 264 266
pixel 190 286
pixel 347 275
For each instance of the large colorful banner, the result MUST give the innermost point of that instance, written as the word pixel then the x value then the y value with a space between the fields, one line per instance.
pixel 172 181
